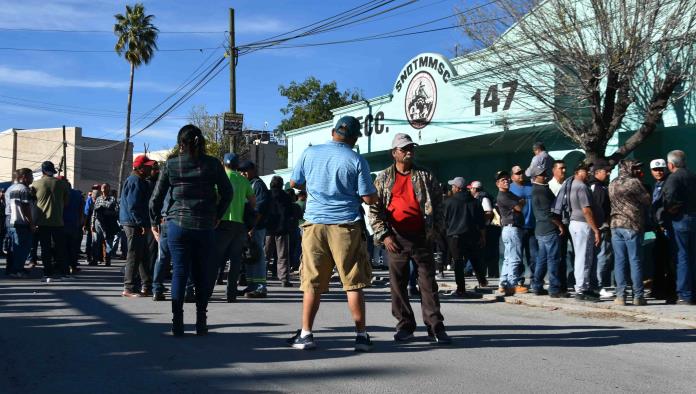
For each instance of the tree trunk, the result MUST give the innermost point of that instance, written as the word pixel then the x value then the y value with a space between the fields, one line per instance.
pixel 126 143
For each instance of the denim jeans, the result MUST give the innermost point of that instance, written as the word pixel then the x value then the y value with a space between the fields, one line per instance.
pixel 605 259
pixel 548 259
pixel 685 248
pixel 108 238
pixel 164 260
pixel 585 258
pixel 530 248
pixel 626 244
pixel 191 252
pixel 256 273
pixel 229 240
pixel 21 245
pixel 512 262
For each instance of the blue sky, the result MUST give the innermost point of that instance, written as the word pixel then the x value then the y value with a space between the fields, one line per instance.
pixel 96 83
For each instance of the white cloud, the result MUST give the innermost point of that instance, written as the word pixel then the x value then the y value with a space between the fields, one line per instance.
pixel 37 78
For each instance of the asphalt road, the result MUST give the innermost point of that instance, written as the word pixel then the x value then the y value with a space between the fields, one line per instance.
pixel 80 336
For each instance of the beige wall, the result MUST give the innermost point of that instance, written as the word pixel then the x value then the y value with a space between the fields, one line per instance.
pixel 85 168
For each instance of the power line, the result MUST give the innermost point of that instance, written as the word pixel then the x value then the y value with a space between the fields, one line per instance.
pixel 33 30
pixel 99 50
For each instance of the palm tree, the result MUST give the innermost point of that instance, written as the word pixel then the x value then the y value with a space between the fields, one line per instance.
pixel 137 42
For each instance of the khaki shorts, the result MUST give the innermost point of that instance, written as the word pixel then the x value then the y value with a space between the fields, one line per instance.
pixel 325 246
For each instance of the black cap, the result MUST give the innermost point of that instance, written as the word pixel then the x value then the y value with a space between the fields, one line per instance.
pixel 501 174
pixel 247 165
pixel 47 167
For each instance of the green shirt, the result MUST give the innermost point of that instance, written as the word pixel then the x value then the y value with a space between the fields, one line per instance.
pixel 242 191
pixel 51 198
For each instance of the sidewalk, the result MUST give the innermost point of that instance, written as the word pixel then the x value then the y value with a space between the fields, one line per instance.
pixel 656 311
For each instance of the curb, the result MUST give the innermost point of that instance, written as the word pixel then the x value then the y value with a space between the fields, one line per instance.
pixel 604 309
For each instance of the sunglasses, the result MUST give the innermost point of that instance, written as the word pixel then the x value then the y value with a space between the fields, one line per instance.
pixel 658 169
pixel 408 148
pixel 518 173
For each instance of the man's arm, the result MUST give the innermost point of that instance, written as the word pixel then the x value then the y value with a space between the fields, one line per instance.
pixel 589 218
pixel 370 199
pixel 298 186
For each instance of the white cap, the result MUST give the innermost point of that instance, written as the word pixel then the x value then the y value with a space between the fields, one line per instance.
pixel 658 163
pixel 475 185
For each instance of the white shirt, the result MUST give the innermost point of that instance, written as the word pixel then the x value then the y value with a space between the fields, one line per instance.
pixel 555 186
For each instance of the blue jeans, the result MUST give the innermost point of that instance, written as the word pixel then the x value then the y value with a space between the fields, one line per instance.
pixel 605 259
pixel 108 238
pixel 512 262
pixel 164 259
pixel 230 238
pixel 21 245
pixel 191 251
pixel 685 247
pixel 256 273
pixel 548 259
pixel 626 244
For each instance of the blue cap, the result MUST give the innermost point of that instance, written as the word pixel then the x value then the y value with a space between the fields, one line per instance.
pixel 348 127
pixel 47 167
pixel 231 160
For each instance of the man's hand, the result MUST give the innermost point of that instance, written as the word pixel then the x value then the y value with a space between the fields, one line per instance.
pixel 561 230
pixel 251 233
pixel 391 245
pixel 597 237
pixel 142 230
pixel 155 232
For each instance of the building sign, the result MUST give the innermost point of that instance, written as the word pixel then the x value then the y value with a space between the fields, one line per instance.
pixel 233 123
pixel 421 100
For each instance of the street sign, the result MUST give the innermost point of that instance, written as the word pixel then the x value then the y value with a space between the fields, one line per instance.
pixel 232 123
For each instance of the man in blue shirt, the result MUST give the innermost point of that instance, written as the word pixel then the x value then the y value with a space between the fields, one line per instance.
pixel 337 181
pixel 523 189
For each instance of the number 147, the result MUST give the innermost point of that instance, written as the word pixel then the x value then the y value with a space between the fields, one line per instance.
pixel 492 101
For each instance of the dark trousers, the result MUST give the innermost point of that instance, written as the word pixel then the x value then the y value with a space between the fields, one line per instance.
pixel 164 260
pixel 491 252
pixel 191 252
pixel 73 238
pixel 665 275
pixel 416 248
pixel 229 241
pixel 463 248
pixel 137 259
pixel 530 248
pixel 295 249
pixel 52 240
pixel 566 267
pixel 282 248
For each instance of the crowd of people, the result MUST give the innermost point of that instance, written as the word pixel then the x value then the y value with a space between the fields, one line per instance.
pixel 205 223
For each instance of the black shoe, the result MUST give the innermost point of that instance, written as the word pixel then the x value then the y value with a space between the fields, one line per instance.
pixel 231 298
pixel 287 284
pixel 562 294
pixel 189 298
pixel 220 281
pixel 413 292
pixel 540 292
pixel 363 343
pixel 440 337
pixel 403 336
pixel 201 323
pixel 298 342
pixel 588 296
pixel 685 302
pixel 178 318
pixel 158 297
pixel 242 280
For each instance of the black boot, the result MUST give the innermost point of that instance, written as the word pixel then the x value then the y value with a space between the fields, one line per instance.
pixel 201 322
pixel 178 318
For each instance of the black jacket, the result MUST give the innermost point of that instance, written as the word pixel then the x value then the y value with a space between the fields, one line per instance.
pixel 463 214
pixel 601 208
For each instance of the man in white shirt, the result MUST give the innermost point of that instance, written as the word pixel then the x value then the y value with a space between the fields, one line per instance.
pixel 558 170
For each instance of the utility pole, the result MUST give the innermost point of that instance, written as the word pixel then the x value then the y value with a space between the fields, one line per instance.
pixel 233 82
pixel 65 158
pixel 14 151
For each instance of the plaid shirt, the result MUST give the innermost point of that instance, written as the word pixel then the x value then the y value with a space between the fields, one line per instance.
pixel 105 210
pixel 194 203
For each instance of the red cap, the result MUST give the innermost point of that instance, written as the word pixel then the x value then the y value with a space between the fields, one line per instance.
pixel 142 161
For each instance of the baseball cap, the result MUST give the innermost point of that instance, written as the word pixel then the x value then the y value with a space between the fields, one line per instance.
pixel 47 167
pixel 348 126
pixel 658 163
pixel 458 182
pixel 231 160
pixel 501 174
pixel 142 161
pixel 475 185
pixel 601 165
pixel 402 140
pixel 516 169
pixel 246 165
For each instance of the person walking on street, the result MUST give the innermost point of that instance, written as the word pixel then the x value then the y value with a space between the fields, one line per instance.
pixel 200 193
pixel 466 234
pixel 51 199
pixel 679 194
pixel 135 220
pixel 665 282
pixel 629 203
pixel 90 240
pixel 511 220
pixel 20 202
pixel 337 180
pixel 601 208
pixel 548 231
pixel 257 273
pixel 407 218
pixel 231 234
pixel 584 233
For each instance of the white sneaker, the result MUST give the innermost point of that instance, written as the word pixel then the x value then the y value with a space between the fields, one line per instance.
pixel 604 293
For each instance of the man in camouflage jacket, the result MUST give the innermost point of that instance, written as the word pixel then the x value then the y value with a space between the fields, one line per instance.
pixel 407 218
